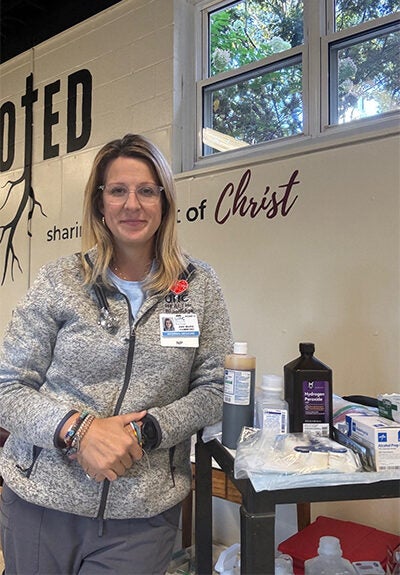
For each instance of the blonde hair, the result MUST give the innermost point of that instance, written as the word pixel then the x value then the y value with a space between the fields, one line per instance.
pixel 170 259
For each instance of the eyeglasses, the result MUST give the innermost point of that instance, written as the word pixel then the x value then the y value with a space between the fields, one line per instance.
pixel 117 194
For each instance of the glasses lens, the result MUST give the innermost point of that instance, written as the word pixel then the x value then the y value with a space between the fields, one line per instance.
pixel 119 194
pixel 116 194
pixel 148 193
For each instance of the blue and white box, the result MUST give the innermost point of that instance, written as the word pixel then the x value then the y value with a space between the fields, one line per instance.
pixel 381 436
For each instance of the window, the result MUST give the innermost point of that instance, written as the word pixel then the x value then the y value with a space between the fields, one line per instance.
pixel 273 70
pixel 260 105
pixel 364 66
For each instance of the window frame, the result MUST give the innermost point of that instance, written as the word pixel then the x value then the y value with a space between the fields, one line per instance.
pixel 319 37
pixel 264 66
pixel 333 41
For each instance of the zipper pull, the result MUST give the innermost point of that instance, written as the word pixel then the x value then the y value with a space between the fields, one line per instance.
pixel 132 336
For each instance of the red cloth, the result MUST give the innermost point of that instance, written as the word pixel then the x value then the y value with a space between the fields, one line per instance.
pixel 358 542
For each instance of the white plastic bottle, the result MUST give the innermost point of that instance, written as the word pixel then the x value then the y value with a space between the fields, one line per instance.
pixel 272 411
pixel 329 560
pixel 284 565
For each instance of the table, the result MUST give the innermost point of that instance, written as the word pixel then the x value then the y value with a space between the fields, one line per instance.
pixel 257 512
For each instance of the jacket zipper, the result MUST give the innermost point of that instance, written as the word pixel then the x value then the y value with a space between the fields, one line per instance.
pixel 128 371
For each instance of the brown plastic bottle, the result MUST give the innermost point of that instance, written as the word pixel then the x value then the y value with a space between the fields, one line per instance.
pixel 239 386
pixel 308 391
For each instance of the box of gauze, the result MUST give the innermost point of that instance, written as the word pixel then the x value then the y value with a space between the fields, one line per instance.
pixel 380 436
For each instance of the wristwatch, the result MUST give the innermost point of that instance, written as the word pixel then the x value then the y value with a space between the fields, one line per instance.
pixel 151 433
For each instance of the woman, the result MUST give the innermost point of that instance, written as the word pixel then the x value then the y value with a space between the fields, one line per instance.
pixel 99 404
pixel 168 324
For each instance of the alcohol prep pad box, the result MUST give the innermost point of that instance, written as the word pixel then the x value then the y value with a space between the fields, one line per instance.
pixel 380 435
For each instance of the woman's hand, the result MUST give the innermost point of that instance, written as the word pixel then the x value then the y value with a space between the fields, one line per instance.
pixel 110 447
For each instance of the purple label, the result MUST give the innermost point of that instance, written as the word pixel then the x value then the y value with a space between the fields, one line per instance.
pixel 316 401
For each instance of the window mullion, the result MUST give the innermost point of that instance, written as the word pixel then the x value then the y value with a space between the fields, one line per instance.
pixel 330 16
pixel 205 45
pixel 314 28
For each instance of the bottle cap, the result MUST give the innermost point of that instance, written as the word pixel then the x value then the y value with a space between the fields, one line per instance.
pixel 329 545
pixel 240 347
pixel 306 347
pixel 272 382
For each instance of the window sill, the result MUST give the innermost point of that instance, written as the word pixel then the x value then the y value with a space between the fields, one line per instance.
pixel 332 137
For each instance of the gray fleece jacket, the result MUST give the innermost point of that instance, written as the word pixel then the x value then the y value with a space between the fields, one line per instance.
pixel 57 357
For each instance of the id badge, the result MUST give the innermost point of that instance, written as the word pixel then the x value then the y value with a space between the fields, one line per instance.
pixel 179 330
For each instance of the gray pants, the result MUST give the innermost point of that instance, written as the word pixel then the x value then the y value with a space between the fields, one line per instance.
pixel 37 540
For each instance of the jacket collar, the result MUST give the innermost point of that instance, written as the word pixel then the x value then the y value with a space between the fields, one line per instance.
pixel 91 255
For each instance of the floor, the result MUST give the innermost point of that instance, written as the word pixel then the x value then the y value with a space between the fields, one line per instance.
pixel 183 561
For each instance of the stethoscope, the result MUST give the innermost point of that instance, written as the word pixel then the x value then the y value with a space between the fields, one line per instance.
pixel 106 320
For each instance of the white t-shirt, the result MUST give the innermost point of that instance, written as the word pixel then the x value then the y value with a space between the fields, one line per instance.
pixel 132 290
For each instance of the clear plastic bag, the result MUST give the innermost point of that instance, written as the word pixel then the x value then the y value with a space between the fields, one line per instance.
pixel 342 407
pixel 212 432
pixel 298 460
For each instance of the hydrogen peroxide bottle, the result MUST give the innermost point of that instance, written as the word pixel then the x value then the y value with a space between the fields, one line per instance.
pixel 329 560
pixel 239 384
pixel 308 391
pixel 271 412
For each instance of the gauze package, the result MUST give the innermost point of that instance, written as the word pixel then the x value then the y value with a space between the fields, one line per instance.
pixel 297 453
pixel 298 460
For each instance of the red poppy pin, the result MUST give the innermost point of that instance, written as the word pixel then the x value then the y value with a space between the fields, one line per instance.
pixel 179 287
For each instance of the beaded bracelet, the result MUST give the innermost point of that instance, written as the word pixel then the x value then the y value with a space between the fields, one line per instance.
pixel 81 432
pixel 69 436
